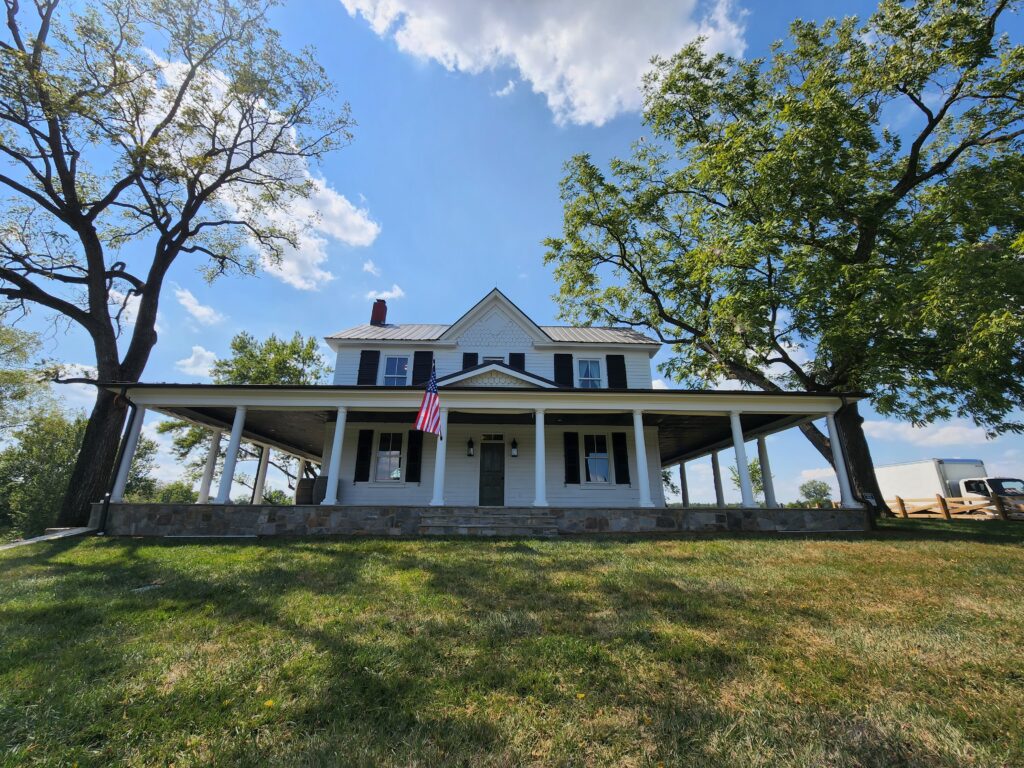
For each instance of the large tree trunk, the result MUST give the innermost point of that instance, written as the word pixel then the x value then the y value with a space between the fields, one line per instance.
pixel 858 459
pixel 95 464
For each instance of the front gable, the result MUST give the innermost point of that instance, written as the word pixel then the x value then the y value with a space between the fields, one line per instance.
pixel 495 322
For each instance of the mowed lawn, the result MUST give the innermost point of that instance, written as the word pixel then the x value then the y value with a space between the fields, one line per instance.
pixel 905 648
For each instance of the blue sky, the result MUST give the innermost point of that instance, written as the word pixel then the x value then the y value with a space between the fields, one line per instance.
pixel 466 112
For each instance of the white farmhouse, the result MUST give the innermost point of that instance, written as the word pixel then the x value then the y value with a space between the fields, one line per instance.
pixel 545 429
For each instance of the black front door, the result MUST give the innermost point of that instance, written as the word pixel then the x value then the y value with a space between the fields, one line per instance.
pixel 492 474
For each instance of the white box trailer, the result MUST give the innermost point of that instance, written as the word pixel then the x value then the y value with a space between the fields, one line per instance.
pixel 924 479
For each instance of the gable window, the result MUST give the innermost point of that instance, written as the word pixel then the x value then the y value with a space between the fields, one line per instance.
pixel 595 451
pixel 396 371
pixel 389 457
pixel 590 374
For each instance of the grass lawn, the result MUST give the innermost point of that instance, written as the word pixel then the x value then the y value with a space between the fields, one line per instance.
pixel 902 649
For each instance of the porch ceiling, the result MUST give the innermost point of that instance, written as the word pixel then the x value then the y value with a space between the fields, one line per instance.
pixel 680 436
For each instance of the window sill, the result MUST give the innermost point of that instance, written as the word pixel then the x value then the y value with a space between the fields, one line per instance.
pixel 384 483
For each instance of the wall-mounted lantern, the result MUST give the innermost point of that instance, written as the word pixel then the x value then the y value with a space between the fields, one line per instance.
pixel 515 448
pixel 469 447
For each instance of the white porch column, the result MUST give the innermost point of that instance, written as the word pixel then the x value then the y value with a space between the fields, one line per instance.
pixel 227 476
pixel 210 468
pixel 540 477
pixel 261 474
pixel 766 474
pixel 437 498
pixel 716 471
pixel 746 491
pixel 845 491
pixel 643 477
pixel 684 490
pixel 298 476
pixel 131 442
pixel 334 465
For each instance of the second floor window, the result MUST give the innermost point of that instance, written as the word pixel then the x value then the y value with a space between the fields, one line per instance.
pixel 396 371
pixel 590 374
pixel 389 457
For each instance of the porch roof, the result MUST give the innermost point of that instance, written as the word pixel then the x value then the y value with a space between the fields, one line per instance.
pixel 692 423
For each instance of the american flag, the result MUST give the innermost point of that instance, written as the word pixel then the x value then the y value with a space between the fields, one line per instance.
pixel 429 417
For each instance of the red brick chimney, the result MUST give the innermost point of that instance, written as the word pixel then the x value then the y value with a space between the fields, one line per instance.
pixel 379 313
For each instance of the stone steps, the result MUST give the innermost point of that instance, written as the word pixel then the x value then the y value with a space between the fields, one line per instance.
pixel 511 523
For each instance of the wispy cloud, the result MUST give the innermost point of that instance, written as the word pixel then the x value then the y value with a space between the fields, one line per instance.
pixel 395 293
pixel 371 268
pixel 508 90
pixel 201 313
pixel 198 363
pixel 953 433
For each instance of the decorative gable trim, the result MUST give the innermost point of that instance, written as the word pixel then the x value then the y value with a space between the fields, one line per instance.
pixel 495 299
pixel 501 368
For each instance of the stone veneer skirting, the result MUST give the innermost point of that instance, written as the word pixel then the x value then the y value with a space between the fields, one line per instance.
pixel 253 520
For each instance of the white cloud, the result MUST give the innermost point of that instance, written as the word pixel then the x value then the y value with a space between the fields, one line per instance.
pixel 659 384
pixel 199 312
pixel 395 293
pixel 586 59
pixel 370 268
pixel 952 433
pixel 127 306
pixel 508 90
pixel 198 363
pixel 77 397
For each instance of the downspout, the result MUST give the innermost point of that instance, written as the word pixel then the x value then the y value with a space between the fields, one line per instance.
pixel 133 409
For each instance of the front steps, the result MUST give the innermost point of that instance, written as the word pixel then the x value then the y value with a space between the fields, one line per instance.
pixel 483 522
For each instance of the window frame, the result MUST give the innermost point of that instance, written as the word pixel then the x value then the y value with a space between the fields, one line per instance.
pixel 585 479
pixel 376 456
pixel 595 383
pixel 384 375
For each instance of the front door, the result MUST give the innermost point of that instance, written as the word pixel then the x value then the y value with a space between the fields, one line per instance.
pixel 492 474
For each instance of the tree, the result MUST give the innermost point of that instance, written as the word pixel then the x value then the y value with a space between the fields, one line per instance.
pixel 668 483
pixel 756 479
pixel 816 493
pixel 21 387
pixel 138 132
pixel 175 492
pixel 37 467
pixel 296 361
pixel 775 229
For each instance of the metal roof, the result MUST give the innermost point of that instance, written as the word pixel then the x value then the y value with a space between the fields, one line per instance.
pixel 433 331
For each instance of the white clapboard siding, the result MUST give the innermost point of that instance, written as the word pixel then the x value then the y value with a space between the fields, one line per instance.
pixel 462 478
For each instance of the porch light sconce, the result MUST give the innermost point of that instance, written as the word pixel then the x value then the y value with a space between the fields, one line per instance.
pixel 515 448
pixel 469 447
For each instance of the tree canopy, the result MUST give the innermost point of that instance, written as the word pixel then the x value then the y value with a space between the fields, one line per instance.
pixel 135 133
pixel 844 215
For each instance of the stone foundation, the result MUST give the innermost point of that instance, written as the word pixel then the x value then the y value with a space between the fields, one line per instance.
pixel 254 520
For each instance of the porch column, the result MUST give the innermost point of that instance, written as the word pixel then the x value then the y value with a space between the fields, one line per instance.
pixel 261 474
pixel 766 474
pixel 131 442
pixel 437 499
pixel 540 467
pixel 298 476
pixel 746 491
pixel 716 471
pixel 210 468
pixel 334 465
pixel 643 476
pixel 227 476
pixel 683 489
pixel 839 460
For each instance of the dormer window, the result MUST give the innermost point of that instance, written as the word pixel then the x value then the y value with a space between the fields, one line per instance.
pixel 590 374
pixel 396 371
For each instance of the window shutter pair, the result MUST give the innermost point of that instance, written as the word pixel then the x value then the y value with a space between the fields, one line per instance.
pixel 369 364
pixel 620 456
pixel 413 457
pixel 615 365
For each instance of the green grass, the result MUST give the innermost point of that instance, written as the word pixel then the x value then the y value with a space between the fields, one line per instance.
pixel 901 649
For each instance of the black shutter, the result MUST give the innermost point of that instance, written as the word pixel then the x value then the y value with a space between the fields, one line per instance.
pixel 616 371
pixel 517 360
pixel 469 359
pixel 621 457
pixel 421 364
pixel 364 449
pixel 414 458
pixel 369 361
pixel 572 458
pixel 563 370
